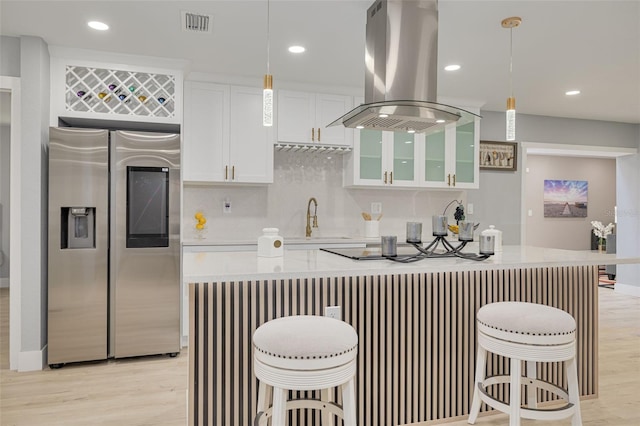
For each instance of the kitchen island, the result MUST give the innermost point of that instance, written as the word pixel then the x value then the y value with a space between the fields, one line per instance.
pixel 415 322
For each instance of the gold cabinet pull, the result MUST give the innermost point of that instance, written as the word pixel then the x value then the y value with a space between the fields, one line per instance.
pixel 391 180
pixel 226 172
pixel 454 180
pixel 318 134
pixel 313 134
pixel 385 177
pixel 233 172
pixel 449 179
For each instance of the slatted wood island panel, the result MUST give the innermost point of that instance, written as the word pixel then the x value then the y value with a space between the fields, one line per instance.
pixel 417 335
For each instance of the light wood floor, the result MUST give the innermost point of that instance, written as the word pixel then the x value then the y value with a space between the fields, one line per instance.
pixel 152 390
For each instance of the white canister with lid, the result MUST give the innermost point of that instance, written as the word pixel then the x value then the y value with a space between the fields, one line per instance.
pixel 497 237
pixel 270 244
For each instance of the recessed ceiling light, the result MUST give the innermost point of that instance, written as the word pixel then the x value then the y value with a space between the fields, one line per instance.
pixel 572 92
pixel 410 131
pixel 440 121
pixel 97 25
pixel 452 67
pixel 359 127
pixel 296 49
pixel 383 115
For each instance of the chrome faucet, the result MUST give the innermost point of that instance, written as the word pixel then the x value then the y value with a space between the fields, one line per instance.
pixel 315 216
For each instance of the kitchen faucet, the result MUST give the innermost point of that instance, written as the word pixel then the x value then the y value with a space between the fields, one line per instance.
pixel 315 216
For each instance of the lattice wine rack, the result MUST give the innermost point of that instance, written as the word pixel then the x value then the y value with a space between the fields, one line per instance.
pixel 108 91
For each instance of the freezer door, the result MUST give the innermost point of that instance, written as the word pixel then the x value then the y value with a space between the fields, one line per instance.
pixel 78 246
pixel 145 254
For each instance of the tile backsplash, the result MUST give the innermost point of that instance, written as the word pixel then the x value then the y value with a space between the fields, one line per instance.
pixel 283 204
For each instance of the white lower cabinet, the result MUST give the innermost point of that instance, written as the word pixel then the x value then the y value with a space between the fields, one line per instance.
pixel 224 139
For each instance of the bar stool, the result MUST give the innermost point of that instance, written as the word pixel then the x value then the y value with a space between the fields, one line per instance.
pixel 303 353
pixel 533 333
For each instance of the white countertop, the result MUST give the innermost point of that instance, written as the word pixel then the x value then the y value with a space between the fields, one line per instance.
pixel 212 266
pixel 287 241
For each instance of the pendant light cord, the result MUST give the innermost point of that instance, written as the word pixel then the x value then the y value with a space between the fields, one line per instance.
pixel 511 62
pixel 268 35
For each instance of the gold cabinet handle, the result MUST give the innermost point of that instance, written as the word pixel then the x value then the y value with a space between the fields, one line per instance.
pixel 233 172
pixel 313 134
pixel 226 172
pixel 385 177
pixel 449 179
pixel 391 180
pixel 318 134
pixel 454 180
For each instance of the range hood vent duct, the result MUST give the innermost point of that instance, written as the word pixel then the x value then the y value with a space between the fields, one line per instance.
pixel 401 67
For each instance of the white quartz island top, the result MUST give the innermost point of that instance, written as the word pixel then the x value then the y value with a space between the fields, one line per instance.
pixel 216 266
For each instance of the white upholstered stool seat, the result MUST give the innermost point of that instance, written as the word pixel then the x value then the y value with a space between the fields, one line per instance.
pixel 305 353
pixel 533 333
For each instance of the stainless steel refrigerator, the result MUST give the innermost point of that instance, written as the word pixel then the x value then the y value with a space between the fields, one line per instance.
pixel 114 238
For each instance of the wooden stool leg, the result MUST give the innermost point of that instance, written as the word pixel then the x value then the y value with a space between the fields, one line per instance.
pixel 515 392
pixel 325 396
pixel 532 390
pixel 279 406
pixel 349 403
pixel 263 396
pixel 574 390
pixel 481 359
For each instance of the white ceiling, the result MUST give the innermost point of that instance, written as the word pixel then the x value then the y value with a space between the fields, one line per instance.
pixel 593 46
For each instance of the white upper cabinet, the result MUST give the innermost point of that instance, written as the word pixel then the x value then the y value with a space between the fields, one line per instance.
pixel 303 117
pixel 450 157
pixel 205 131
pixel 387 159
pixel 445 159
pixel 250 143
pixel 224 139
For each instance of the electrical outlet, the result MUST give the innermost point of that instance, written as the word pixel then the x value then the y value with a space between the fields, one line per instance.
pixel 376 208
pixel 226 206
pixel 469 208
pixel 334 312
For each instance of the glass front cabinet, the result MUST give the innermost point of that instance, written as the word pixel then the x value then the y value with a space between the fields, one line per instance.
pixel 447 158
pixel 450 157
pixel 387 159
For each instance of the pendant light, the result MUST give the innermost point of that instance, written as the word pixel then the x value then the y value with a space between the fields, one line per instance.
pixel 511 23
pixel 267 93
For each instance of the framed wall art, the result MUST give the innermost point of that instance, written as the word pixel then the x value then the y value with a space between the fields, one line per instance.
pixel 498 156
pixel 565 198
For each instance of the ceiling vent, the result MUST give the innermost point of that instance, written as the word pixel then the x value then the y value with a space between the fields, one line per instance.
pixel 196 22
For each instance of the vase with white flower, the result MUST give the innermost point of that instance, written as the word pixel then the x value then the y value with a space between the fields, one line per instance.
pixel 601 232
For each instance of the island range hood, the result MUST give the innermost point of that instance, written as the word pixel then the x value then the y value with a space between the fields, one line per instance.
pixel 401 66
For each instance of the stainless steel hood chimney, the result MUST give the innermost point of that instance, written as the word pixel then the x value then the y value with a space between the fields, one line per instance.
pixel 401 66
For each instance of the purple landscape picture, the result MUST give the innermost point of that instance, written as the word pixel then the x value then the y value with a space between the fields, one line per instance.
pixel 565 198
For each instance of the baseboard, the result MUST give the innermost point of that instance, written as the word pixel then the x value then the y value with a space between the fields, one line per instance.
pixel 630 290
pixel 4 282
pixel 32 360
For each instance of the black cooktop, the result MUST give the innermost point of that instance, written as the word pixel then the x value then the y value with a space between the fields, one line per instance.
pixel 373 253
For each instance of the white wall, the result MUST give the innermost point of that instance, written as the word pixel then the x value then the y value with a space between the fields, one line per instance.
pixel 5 149
pixel 9 56
pixel 499 198
pixel 628 242
pixel 571 233
pixel 283 204
pixel 34 75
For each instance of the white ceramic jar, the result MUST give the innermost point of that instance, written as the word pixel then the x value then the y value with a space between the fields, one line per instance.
pixel 270 244
pixel 497 237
